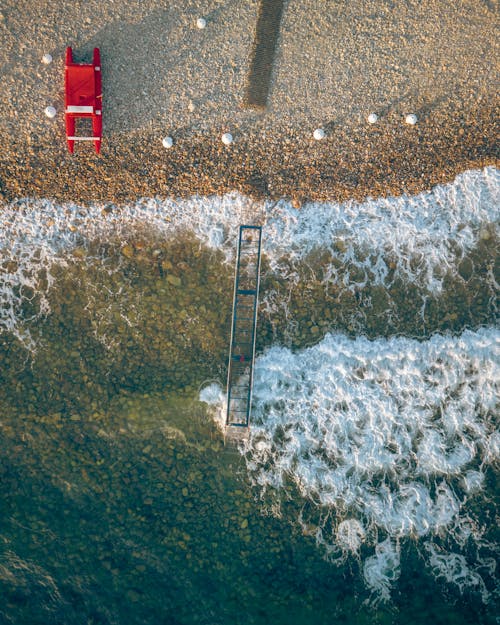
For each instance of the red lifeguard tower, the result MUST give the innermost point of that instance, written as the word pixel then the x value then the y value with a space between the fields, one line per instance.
pixel 83 98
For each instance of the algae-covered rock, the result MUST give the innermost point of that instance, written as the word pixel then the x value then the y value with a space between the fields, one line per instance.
pixel 128 251
pixel 174 280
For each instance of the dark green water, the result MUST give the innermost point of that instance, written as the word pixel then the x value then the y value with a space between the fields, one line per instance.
pixel 119 501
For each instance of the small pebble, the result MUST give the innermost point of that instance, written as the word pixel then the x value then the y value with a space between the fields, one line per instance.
pixel 372 118
pixel 227 138
pixel 319 134
pixel 50 111
pixel 47 59
pixel 167 142
pixel 201 22
pixel 411 119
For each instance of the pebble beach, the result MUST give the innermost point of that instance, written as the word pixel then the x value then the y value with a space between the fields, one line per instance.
pixel 334 65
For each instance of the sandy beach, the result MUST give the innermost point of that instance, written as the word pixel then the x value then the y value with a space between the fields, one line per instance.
pixel 334 64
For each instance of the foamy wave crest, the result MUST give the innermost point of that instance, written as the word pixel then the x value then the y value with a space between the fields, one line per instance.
pixel 386 438
pixel 414 238
pixel 422 236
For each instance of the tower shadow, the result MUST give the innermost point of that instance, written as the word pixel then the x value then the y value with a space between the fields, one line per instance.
pixel 265 45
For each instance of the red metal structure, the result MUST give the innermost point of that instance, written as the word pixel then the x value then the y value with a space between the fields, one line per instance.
pixel 83 98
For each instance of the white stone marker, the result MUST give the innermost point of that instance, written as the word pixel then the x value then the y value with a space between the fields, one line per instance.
pixel 201 23
pixel 372 118
pixel 227 138
pixel 50 111
pixel 411 119
pixel 167 142
pixel 47 59
pixel 319 134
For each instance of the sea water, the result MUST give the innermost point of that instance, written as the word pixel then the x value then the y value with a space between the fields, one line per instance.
pixel 367 484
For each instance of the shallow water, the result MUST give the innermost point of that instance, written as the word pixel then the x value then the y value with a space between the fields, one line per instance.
pixel 367 490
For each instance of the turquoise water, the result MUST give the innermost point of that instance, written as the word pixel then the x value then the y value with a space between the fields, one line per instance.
pixel 120 502
pixel 143 524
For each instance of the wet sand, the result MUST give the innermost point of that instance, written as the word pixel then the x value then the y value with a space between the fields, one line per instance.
pixel 333 65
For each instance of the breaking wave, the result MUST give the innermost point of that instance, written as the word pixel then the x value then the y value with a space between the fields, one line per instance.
pixel 383 441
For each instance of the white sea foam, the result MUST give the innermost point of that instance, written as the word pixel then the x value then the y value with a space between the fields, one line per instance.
pixel 422 233
pixel 414 238
pixel 390 436
pixel 382 569
pixel 453 568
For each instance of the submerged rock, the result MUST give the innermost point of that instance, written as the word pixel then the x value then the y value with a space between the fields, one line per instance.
pixel 128 251
pixel 174 280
